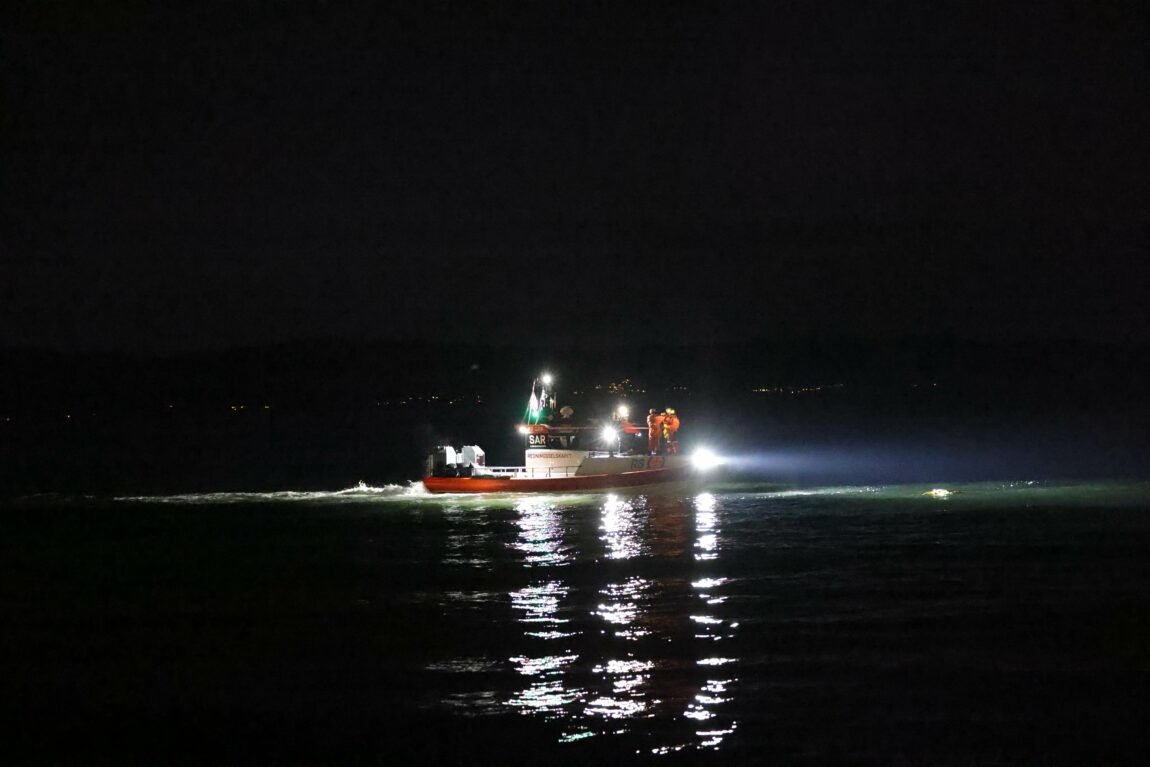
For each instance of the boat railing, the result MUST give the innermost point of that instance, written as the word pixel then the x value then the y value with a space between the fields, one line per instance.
pixel 533 472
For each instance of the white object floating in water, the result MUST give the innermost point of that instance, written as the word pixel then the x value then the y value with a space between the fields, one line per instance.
pixel 939 492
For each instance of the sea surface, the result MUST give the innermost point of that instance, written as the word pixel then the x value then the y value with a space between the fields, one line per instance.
pixel 1003 623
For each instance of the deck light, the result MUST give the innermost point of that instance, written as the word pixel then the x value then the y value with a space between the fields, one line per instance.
pixel 547 379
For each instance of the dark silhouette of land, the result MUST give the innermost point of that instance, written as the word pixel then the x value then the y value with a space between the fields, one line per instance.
pixel 323 413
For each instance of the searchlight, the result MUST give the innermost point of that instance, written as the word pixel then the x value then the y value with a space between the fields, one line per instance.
pixel 609 435
pixel 523 429
pixel 622 411
pixel 704 459
pixel 546 379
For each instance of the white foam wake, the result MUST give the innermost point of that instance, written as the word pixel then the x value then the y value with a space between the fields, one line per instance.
pixel 362 491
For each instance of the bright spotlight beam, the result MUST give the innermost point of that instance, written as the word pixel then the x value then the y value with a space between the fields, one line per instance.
pixel 704 459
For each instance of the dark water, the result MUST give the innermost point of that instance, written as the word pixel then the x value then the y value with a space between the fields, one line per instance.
pixel 1006 624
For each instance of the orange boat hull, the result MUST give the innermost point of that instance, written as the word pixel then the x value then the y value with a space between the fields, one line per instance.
pixel 589 482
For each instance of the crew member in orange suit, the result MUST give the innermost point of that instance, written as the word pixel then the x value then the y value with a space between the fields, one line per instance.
pixel 654 430
pixel 670 426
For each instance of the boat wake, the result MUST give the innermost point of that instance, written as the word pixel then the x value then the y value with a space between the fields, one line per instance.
pixel 361 492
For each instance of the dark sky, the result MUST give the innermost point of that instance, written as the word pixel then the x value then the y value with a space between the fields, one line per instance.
pixel 243 173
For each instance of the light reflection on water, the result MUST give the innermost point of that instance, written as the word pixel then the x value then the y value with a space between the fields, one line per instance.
pixel 539 602
pixel 540 536
pixel 537 605
pixel 622 607
pixel 706 524
pixel 621 525
pixel 594 648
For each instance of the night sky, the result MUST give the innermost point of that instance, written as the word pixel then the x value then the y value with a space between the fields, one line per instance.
pixel 250 173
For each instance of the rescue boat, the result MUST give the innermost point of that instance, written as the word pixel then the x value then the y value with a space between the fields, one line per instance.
pixel 563 456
